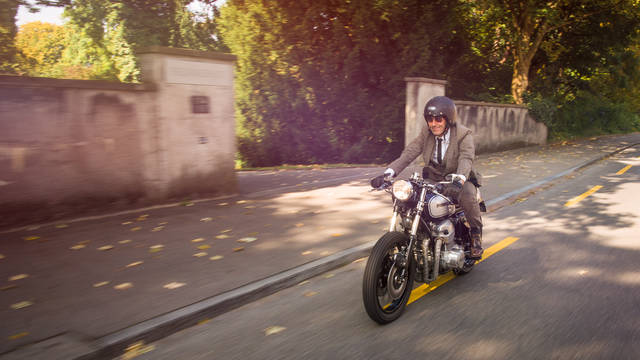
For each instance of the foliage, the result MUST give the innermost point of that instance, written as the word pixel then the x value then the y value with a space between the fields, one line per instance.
pixel 589 114
pixel 315 82
pixel 8 11
pixel 520 33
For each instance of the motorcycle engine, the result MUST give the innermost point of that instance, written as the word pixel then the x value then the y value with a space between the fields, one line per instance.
pixel 445 230
pixel 452 258
pixel 453 255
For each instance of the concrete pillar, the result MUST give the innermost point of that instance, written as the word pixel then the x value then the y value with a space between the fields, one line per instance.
pixel 193 130
pixel 419 91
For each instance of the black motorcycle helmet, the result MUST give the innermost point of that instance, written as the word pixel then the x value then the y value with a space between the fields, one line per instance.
pixel 441 106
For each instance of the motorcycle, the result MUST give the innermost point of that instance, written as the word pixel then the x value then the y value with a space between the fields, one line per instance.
pixel 428 236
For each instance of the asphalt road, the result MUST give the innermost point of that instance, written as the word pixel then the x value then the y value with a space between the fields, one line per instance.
pixel 568 288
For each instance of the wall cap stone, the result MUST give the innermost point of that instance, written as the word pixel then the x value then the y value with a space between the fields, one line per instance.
pixel 27 81
pixel 426 80
pixel 480 103
pixel 187 52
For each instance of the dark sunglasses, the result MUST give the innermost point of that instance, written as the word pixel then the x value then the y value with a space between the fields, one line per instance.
pixel 437 119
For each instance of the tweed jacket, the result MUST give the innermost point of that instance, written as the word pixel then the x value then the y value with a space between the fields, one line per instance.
pixel 458 159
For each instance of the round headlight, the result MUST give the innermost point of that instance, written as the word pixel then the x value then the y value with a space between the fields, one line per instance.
pixel 402 190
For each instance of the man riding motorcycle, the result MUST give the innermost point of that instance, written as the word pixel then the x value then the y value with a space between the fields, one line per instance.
pixel 447 149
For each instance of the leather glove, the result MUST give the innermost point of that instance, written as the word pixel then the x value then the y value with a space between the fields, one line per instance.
pixel 453 190
pixel 377 181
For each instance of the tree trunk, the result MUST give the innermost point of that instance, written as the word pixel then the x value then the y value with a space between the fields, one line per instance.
pixel 520 78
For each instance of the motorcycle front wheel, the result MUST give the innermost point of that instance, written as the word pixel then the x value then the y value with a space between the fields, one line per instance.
pixel 386 286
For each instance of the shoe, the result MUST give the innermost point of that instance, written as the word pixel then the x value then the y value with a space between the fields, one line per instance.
pixel 476 244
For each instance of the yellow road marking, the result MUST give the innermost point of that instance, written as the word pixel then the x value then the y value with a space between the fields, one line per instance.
pixel 424 289
pixel 579 198
pixel 623 170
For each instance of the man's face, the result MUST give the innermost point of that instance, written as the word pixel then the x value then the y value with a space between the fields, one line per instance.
pixel 437 125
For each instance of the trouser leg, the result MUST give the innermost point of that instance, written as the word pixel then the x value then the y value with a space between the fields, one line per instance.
pixel 469 203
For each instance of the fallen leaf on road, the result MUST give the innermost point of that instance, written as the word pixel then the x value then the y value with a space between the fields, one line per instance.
pixel 136 263
pixel 204 247
pixel 8 287
pixel 336 235
pixel 1 256
pixel 127 223
pixel 21 305
pixel 18 277
pixel 217 257
pixel 274 330
pixel 174 285
pixel 157 228
pixel 105 248
pixel 358 260
pixel 207 219
pixel 31 238
pixel 329 276
pixel 250 207
pixel 203 321
pixel 142 217
pixel 223 204
pixel 200 254
pixel 156 248
pixel 307 252
pixel 247 239
pixel 299 225
pixel 226 231
pixel 62 226
pixel 163 223
pixel 238 249
pixel 123 286
pixel 137 349
pixel 197 240
pixel 310 293
pixel 255 233
pixel 241 201
pixel 78 247
pixel 18 335
pixel 103 283
pixel 223 236
pixel 124 241
pixel 304 282
pixel 137 228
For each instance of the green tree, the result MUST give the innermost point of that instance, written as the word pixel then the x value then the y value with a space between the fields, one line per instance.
pixel 8 12
pixel 123 27
pixel 517 31
pixel 324 81
pixel 61 51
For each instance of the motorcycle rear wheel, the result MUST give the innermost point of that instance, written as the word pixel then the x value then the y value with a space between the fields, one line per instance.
pixel 385 287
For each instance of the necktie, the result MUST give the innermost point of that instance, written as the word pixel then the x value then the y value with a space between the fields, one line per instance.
pixel 439 153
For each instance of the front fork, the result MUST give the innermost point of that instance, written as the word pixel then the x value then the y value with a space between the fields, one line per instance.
pixel 402 259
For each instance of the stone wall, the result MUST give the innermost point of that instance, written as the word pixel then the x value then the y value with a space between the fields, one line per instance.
pixel 499 126
pixel 65 142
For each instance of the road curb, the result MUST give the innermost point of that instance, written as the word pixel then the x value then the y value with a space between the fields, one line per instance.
pixel 112 345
